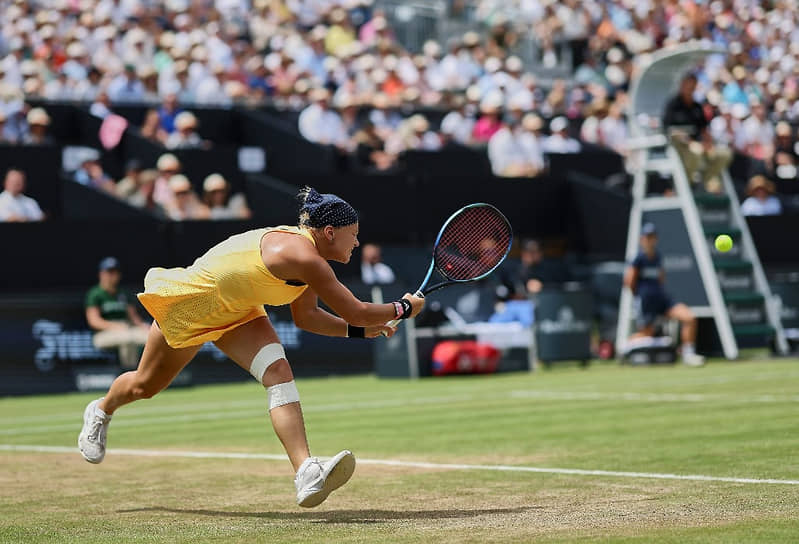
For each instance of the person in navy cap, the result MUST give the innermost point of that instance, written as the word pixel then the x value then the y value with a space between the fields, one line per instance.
pixel 111 314
pixel 645 277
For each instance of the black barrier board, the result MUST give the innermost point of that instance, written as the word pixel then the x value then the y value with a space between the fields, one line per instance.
pixel 563 325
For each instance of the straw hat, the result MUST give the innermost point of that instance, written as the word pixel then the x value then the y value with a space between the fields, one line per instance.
pixel 532 122
pixel 185 119
pixel 214 182
pixel 179 183
pixel 168 161
pixel 419 123
pixel 760 182
pixel 37 116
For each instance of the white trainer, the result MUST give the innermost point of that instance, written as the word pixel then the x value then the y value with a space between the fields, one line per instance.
pixel 315 480
pixel 692 359
pixel 91 439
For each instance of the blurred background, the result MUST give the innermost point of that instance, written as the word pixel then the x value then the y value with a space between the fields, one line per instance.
pixel 149 131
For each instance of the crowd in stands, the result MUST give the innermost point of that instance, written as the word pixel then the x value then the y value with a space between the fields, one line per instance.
pixel 339 64
pixel 164 190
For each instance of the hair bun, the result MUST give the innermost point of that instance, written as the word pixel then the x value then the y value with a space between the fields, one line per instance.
pixel 308 195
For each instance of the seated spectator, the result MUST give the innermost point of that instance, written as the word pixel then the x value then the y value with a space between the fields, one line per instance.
pixel 383 116
pixel 5 138
pixel 687 127
pixel 101 106
pixel 530 139
pixel 340 34
pixel 126 87
pixel 756 135
pixel 761 200
pixel 38 123
pixel 613 129
pixel 459 123
pixel 370 148
pixel 589 130
pixel 91 173
pixel 786 154
pixel 373 269
pixel 319 124
pixel 223 205
pixel 168 165
pixel 14 205
pixel 185 135
pixel 151 128
pixel 168 112
pixel 413 134
pixel 186 204
pixel 513 153
pixel 533 272
pixel 559 140
pixel 145 193
pixel 725 126
pixel 113 318
pixel 129 184
pixel 489 122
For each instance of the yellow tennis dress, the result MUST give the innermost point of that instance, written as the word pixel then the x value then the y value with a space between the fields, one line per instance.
pixel 225 288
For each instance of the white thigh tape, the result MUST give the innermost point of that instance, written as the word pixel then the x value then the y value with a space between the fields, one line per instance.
pixel 282 393
pixel 265 357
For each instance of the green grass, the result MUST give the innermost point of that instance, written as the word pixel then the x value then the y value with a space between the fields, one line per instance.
pixel 726 420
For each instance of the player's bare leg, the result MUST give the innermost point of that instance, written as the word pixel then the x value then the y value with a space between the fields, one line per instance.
pixel 158 367
pixel 687 320
pixel 314 480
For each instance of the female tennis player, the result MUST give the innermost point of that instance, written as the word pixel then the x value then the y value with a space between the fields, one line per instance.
pixel 221 297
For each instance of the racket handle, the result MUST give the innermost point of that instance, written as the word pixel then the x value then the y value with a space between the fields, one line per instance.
pixel 393 322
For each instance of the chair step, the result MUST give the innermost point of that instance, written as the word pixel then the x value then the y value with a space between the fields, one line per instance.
pixel 755 329
pixel 743 297
pixel 711 231
pixel 732 265
pixel 712 201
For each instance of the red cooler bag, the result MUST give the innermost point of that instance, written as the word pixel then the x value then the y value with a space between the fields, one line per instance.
pixel 464 357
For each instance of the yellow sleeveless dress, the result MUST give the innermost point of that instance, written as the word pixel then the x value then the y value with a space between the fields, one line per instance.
pixel 223 289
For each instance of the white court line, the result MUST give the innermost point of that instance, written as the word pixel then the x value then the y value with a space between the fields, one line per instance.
pixel 410 464
pixel 215 414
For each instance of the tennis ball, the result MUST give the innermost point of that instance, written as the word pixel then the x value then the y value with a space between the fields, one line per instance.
pixel 723 243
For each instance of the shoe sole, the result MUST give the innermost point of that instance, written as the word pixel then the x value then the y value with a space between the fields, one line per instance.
pixel 85 422
pixel 343 466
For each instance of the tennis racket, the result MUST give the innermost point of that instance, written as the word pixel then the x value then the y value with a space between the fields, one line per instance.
pixel 472 243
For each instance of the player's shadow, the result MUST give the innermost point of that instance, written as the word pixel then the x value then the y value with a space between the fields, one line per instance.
pixel 365 516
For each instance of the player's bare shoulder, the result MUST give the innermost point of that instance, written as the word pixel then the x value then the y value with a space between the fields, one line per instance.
pixel 286 254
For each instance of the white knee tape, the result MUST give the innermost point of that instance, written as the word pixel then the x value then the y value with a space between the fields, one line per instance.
pixel 264 358
pixel 282 393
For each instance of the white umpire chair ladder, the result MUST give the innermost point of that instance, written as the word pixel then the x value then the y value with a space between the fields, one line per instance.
pixel 656 83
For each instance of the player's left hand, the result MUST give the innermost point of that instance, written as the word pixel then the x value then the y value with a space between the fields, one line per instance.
pixel 377 330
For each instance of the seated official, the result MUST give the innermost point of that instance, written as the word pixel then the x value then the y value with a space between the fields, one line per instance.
pixel 685 123
pixel 645 277
pixel 111 315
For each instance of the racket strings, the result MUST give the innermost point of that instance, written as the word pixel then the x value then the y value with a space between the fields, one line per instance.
pixel 473 243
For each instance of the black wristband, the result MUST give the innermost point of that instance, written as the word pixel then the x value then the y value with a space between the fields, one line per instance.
pixel 355 332
pixel 406 308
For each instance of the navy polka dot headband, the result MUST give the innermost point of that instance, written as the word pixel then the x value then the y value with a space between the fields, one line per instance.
pixel 319 210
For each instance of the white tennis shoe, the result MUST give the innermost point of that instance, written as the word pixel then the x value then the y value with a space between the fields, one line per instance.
pixel 316 480
pixel 91 439
pixel 692 359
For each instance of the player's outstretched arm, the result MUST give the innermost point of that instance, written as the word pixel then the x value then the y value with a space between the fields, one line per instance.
pixel 310 317
pixel 296 259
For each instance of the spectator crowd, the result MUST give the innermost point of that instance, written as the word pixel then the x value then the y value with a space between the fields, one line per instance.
pixel 338 64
